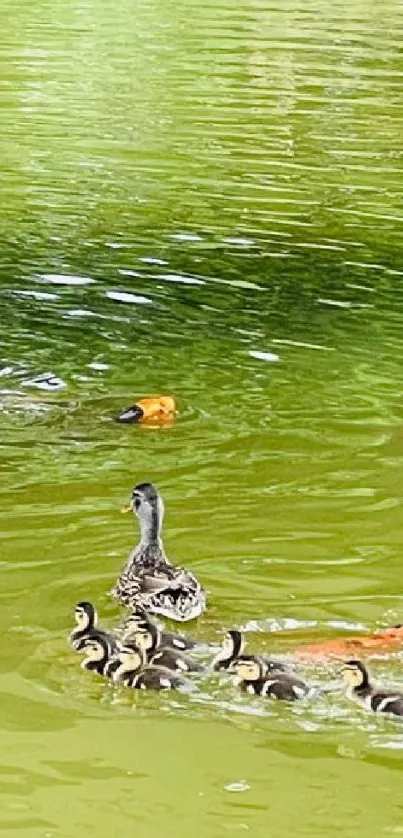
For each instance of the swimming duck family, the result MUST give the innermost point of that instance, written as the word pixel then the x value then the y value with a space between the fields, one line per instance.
pixel 140 654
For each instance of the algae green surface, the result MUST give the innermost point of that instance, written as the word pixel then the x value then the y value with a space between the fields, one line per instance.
pixel 203 200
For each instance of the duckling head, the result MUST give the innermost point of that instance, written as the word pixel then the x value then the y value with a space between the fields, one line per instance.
pixel 133 625
pixel 232 646
pixel 248 668
pixel 144 639
pixel 131 657
pixel 355 674
pixel 96 648
pixel 85 615
pixel 139 615
pixel 147 504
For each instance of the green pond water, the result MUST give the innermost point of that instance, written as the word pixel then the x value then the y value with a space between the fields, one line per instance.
pixel 203 200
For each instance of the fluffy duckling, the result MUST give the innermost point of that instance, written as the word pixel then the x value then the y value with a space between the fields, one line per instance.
pixel 86 618
pixel 232 649
pixel 140 617
pixel 150 640
pixel 359 688
pixel 148 579
pixel 98 657
pixel 255 679
pixel 134 672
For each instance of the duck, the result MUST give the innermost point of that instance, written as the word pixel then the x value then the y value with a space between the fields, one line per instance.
pixel 134 672
pixel 99 657
pixel 86 618
pixel 154 410
pixel 149 639
pixel 359 688
pixel 232 650
pixel 148 578
pixel 255 679
pixel 140 617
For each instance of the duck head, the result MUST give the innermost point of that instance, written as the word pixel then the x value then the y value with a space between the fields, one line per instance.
pixel 147 504
pixel 147 637
pixel 85 616
pixel 131 658
pixel 96 650
pixel 355 674
pixel 248 668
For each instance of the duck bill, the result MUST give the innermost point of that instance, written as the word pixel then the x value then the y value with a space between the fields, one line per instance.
pixel 127 508
pixel 153 410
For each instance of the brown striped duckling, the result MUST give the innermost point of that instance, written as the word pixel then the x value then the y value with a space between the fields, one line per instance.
pixel 140 617
pixel 98 655
pixel 255 679
pixel 133 671
pixel 359 688
pixel 150 640
pixel 148 578
pixel 86 618
pixel 232 648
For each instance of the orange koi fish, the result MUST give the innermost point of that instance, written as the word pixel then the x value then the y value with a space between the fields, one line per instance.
pixel 151 410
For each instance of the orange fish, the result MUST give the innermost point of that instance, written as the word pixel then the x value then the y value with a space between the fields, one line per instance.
pixel 152 410
pixel 383 641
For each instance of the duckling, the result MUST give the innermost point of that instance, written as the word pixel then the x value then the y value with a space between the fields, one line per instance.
pixel 150 640
pixel 148 579
pixel 98 655
pixel 133 671
pixel 87 620
pixel 232 650
pixel 255 679
pixel 359 688
pixel 140 617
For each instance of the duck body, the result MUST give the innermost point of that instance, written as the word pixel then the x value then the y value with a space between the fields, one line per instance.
pixel 173 660
pixel 360 689
pixel 254 679
pixel 148 579
pixel 281 687
pixel 153 678
pixel 134 671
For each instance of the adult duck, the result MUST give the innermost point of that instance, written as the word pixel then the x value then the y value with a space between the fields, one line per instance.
pixel 148 579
